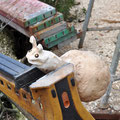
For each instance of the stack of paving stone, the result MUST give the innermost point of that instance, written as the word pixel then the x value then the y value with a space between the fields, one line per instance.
pixel 32 17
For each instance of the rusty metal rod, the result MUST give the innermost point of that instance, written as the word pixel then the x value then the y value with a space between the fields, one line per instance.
pixel 106 116
pixel 103 28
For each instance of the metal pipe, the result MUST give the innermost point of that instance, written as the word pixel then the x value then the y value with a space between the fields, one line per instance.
pixel 103 28
pixel 113 67
pixel 85 25
pixel 116 57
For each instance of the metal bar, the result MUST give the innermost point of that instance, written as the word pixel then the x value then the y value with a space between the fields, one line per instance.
pixel 66 42
pixel 33 11
pixel 14 7
pixel 113 67
pixel 46 23
pixel 116 57
pixel 59 35
pixel 103 28
pixel 106 116
pixel 15 26
pixel 50 30
pixel 61 40
pixel 85 25
pixel 40 17
pixel 3 26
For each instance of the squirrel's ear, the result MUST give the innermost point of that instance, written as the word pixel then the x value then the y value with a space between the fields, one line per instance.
pixel 40 47
pixel 33 41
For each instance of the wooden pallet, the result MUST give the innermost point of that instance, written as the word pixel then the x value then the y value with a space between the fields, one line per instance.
pixel 37 18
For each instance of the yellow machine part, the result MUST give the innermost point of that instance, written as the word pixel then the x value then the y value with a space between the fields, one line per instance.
pixel 42 104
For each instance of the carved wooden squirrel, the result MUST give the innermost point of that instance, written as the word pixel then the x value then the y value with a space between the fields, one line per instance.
pixel 43 59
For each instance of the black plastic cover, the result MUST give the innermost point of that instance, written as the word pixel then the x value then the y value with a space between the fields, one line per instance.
pixel 20 73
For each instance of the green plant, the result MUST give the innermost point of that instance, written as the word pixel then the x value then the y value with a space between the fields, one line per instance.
pixel 84 10
pixel 62 6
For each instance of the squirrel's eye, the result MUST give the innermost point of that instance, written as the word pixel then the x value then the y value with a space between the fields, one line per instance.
pixel 36 55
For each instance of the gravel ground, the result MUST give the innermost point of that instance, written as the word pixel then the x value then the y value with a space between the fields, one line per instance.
pixel 101 43
pixel 7 43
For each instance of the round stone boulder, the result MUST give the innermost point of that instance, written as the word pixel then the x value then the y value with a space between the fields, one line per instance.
pixel 90 72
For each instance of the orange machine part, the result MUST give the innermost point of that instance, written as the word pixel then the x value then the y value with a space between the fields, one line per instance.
pixel 65 99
